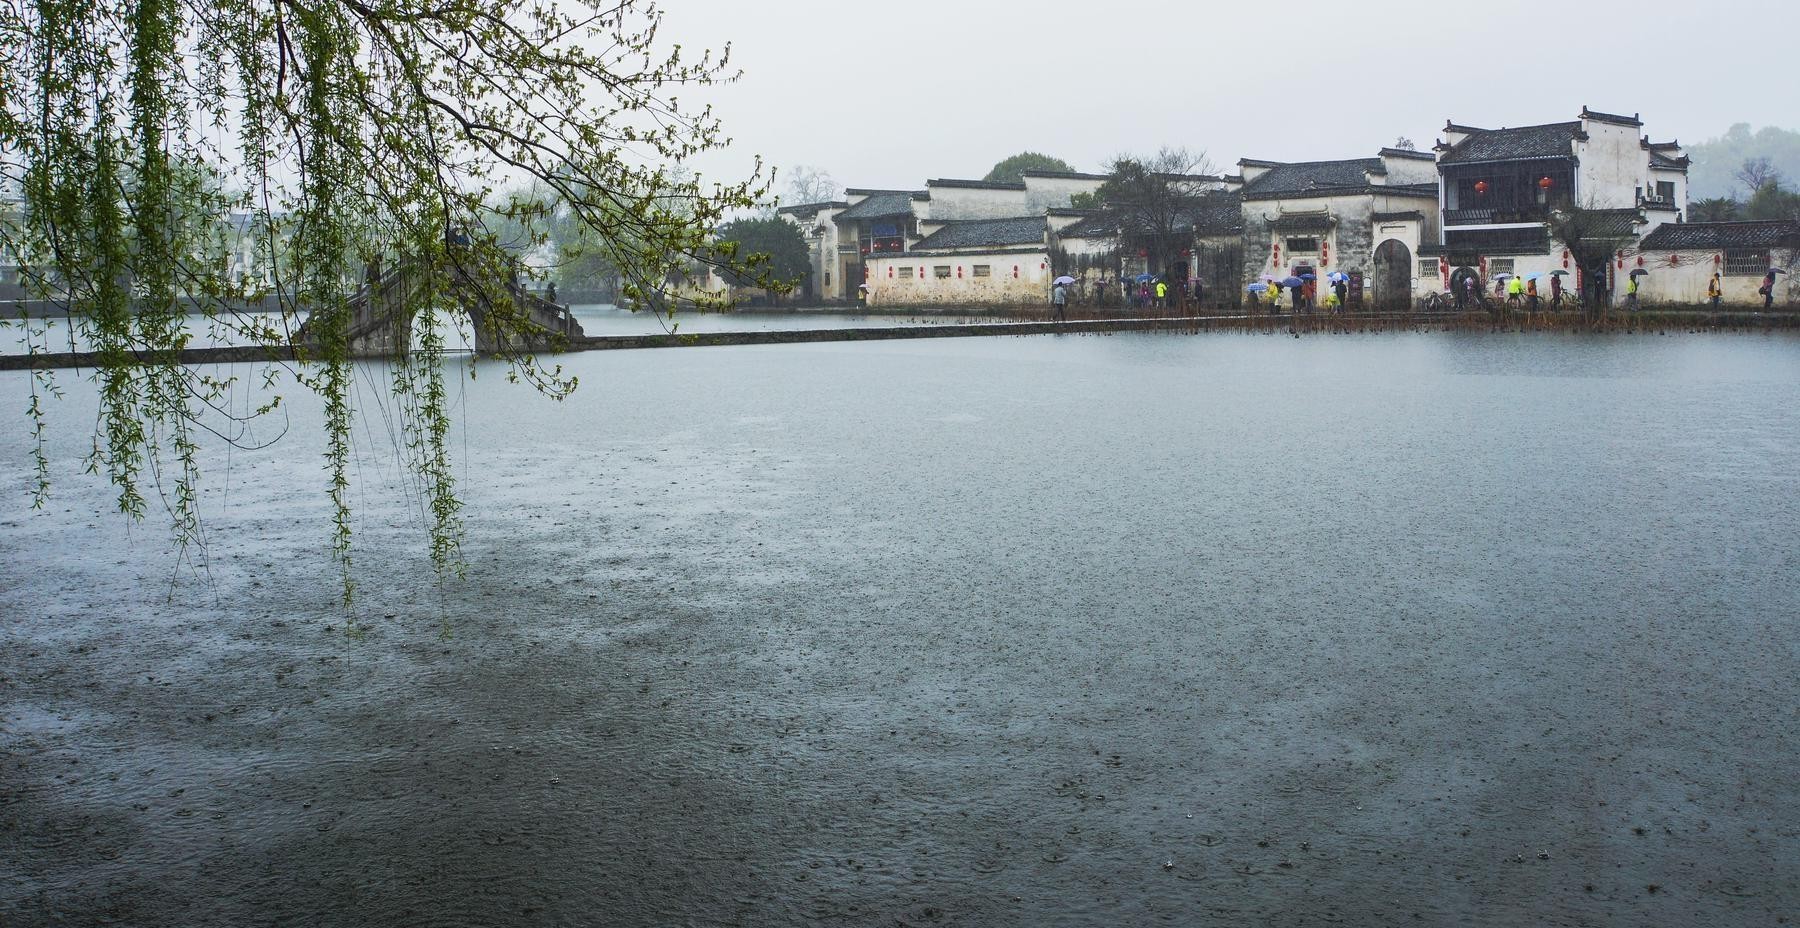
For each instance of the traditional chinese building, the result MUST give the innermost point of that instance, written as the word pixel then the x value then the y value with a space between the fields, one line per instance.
pixel 1500 190
pixel 1364 216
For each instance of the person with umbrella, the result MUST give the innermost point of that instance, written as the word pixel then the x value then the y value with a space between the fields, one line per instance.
pixel 1059 297
pixel 1556 291
pixel 1631 289
pixel 1768 288
pixel 1714 290
pixel 1531 293
pixel 1341 286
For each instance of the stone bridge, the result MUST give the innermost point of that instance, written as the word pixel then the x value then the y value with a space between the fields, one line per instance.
pixel 380 326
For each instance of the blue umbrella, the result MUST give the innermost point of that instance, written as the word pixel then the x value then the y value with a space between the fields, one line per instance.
pixel 1293 282
pixel 1309 277
pixel 1258 288
pixel 1144 278
pixel 1336 276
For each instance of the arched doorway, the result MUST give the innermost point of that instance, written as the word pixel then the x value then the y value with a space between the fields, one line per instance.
pixel 1393 274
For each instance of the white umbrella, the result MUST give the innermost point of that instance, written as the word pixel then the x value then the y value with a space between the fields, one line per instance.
pixel 1065 279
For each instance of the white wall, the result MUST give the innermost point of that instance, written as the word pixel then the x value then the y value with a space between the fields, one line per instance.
pixel 1042 193
pixel 1613 166
pixel 1029 287
pixel 1680 278
pixel 976 203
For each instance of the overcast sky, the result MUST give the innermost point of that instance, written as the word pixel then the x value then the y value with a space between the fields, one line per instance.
pixel 889 94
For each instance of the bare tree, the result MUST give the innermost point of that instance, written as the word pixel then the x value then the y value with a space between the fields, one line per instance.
pixel 1594 236
pixel 808 184
pixel 1757 173
pixel 1153 199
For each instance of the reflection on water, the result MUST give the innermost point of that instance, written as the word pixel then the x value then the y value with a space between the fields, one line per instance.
pixel 1205 630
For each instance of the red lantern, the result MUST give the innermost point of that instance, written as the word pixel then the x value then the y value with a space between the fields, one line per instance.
pixel 959 272
pixel 1640 260
pixel 1546 183
pixel 1015 270
pixel 1718 259
pixel 890 271
pixel 1481 187
pixel 1674 260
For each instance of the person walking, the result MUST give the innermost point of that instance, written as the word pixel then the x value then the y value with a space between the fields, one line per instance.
pixel 1713 289
pixel 1059 297
pixel 1162 294
pixel 1768 289
pixel 1531 295
pixel 1342 289
pixel 1631 290
pixel 1556 291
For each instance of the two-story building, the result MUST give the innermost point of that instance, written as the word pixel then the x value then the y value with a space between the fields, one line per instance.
pixel 1499 190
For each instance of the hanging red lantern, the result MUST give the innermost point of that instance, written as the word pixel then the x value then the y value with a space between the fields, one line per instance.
pixel 1481 187
pixel 959 272
pixel 890 272
pixel 1640 260
pixel 1015 270
pixel 1717 259
pixel 1546 183
pixel 1674 260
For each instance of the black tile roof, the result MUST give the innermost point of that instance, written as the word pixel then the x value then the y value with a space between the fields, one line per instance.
pixel 985 233
pixel 1209 214
pixel 1632 120
pixel 809 210
pixel 1548 141
pixel 1660 160
pixel 974 184
pixel 881 204
pixel 1312 176
pixel 1397 217
pixel 1683 236
pixel 1614 223
pixel 1066 175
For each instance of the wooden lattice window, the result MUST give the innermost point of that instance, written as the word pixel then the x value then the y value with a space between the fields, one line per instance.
pixel 1746 262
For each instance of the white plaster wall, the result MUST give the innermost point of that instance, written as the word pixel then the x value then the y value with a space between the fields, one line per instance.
pixel 1042 193
pixel 975 203
pixel 1031 286
pixel 1680 278
pixel 1403 170
pixel 1613 166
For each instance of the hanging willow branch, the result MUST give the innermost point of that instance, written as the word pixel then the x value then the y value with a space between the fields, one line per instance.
pixel 350 133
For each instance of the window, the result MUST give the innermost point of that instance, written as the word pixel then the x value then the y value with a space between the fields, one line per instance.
pixel 1665 191
pixel 1500 266
pixel 906 273
pixel 1428 267
pixel 941 271
pixel 827 278
pixel 983 270
pixel 1303 246
pixel 1746 262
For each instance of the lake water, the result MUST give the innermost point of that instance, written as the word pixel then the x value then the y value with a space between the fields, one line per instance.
pixel 49 335
pixel 1200 630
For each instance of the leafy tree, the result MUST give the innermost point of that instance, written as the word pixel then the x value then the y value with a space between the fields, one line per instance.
pixel 355 128
pixel 1012 170
pixel 767 252
pixel 1715 209
pixel 1772 201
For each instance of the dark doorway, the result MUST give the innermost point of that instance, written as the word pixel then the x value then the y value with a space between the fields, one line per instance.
pixel 1392 280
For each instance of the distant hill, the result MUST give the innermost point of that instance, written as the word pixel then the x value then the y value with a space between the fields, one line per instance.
pixel 1717 160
